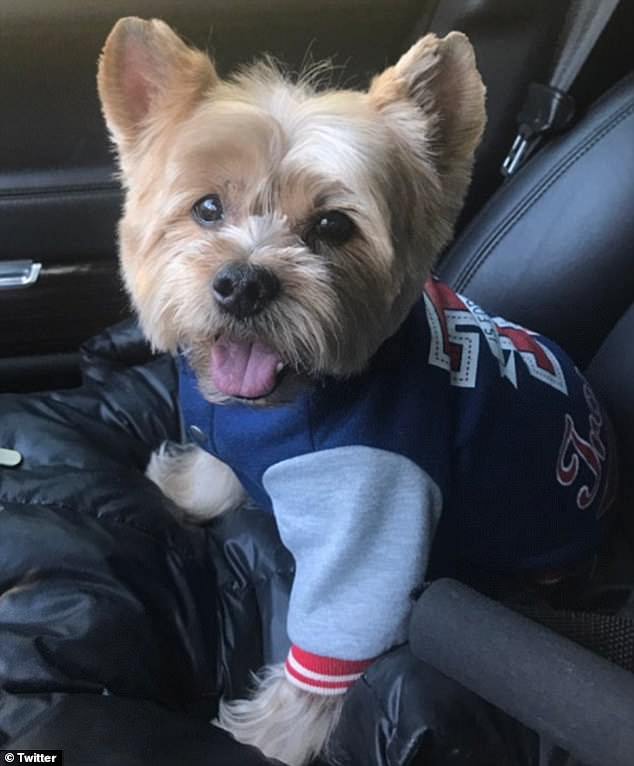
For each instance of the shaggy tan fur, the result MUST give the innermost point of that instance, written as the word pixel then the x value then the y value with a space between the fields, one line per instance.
pixel 201 485
pixel 282 720
pixel 396 159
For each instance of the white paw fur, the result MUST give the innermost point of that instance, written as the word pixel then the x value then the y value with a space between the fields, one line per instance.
pixel 283 721
pixel 201 485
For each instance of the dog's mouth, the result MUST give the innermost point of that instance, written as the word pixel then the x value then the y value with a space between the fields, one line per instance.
pixel 245 369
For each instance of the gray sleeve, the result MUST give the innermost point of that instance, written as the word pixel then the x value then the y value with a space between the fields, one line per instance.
pixel 359 522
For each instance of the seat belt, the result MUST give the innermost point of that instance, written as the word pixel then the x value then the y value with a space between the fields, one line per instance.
pixel 550 108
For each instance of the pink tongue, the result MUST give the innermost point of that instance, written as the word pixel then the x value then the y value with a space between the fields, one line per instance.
pixel 240 368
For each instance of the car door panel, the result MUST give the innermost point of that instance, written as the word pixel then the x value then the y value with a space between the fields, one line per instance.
pixel 64 221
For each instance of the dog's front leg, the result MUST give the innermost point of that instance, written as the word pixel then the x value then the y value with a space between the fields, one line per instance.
pixel 201 485
pixel 359 522
pixel 283 721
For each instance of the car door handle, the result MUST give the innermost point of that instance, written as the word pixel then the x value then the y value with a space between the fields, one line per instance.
pixel 18 274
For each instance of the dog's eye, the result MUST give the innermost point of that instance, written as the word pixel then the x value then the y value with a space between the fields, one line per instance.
pixel 332 228
pixel 208 210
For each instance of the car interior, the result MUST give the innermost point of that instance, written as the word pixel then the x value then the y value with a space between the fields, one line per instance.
pixel 548 245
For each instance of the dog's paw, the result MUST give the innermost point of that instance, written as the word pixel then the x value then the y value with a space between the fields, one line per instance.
pixel 283 721
pixel 201 485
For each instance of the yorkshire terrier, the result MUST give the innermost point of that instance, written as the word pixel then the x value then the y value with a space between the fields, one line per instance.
pixel 278 239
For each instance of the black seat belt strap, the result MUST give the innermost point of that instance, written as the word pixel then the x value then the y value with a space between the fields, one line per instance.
pixel 550 108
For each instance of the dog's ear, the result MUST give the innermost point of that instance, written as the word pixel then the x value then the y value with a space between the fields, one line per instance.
pixel 440 77
pixel 145 67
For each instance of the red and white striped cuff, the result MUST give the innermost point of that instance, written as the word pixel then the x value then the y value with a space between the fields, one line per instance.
pixel 322 675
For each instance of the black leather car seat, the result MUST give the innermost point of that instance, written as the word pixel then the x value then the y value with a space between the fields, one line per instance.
pixel 554 250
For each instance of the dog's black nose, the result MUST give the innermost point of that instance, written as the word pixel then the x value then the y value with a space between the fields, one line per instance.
pixel 243 289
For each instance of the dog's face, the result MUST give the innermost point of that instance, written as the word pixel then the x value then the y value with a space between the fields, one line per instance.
pixel 274 232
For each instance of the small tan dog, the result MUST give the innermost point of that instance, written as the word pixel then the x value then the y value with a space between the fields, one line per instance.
pixel 275 234
pixel 277 238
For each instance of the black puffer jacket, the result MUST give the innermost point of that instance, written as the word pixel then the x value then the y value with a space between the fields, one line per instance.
pixel 120 628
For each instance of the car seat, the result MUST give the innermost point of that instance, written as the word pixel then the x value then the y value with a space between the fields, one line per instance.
pixel 554 250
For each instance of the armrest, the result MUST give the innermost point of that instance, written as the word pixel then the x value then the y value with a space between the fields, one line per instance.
pixel 580 701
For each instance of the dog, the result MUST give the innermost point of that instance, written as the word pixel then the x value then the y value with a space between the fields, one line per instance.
pixel 278 238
